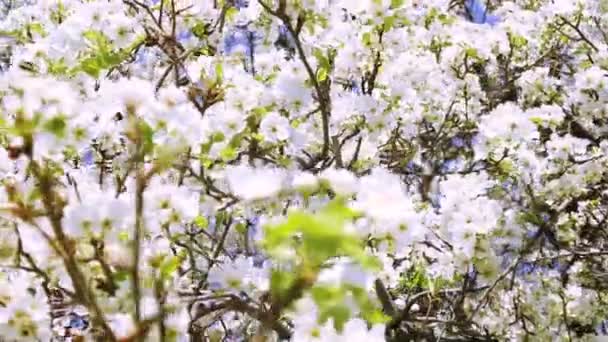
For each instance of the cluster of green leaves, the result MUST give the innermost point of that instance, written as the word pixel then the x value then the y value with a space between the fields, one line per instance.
pixel 434 14
pixel 325 61
pixel 103 55
pixel 317 239
pixel 24 34
pixel 415 280
pixel 59 14
pixel 27 127
pixel 332 302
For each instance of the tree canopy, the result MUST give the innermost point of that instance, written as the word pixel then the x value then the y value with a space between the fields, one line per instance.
pixel 304 170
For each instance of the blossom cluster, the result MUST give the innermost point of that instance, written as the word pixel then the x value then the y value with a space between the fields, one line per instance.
pixel 304 170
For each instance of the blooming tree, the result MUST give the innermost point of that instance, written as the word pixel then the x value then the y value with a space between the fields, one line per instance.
pixel 304 170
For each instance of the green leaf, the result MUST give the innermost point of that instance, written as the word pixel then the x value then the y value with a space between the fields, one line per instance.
pixel 166 156
pixel 397 3
pixel 327 295
pixel 531 217
pixel 56 125
pixel 366 39
pixel 228 153
pixel 99 41
pixel 201 222
pixel 147 135
pixel 57 67
pixel 231 13
pixel 241 228
pixel 331 302
pixel 471 52
pixel 91 67
pixel 199 30
pixel 376 316
pixel 217 137
pixel 518 41
pixel 389 22
pixel 156 261
pixel 121 275
pixel 414 278
pixel 281 282
pixel 321 74
pixel 219 73
pixel 59 14
pixel 430 17
pixel 36 28
pixel 123 236
pixel 110 59
pixel 169 266
pixel 6 251
pixel 321 58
